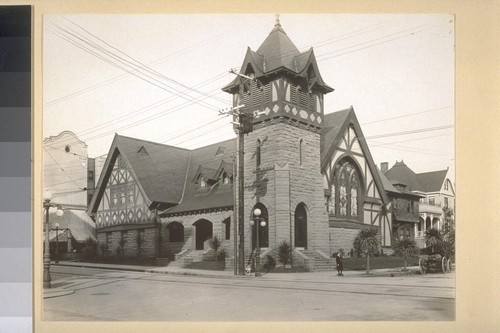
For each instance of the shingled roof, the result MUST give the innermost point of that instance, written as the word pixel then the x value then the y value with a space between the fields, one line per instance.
pixel 278 53
pixel 423 182
pixel 212 197
pixel 160 170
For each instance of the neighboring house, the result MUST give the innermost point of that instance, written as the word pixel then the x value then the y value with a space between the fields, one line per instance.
pixel 403 209
pixel 437 192
pixel 309 172
pixel 69 175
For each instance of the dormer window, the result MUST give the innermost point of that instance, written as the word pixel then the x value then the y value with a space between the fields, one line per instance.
pixel 203 182
pixel 225 178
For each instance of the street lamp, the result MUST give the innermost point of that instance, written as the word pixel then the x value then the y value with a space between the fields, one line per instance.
pixel 260 223
pixel 47 197
pixel 57 241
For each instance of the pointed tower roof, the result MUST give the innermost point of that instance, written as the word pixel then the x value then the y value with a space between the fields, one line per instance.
pixel 278 54
pixel 278 50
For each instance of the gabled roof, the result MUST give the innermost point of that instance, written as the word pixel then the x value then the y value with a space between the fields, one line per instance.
pixel 432 181
pixel 332 125
pixel 423 182
pixel 335 125
pixel 160 173
pixel 211 197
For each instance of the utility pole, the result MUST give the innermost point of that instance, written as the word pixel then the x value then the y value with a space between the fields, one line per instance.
pixel 243 125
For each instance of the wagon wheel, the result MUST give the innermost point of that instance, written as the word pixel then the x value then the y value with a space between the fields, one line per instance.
pixel 443 264
pixel 421 264
pixel 448 265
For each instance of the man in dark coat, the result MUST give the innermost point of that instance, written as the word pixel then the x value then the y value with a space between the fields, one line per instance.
pixel 340 264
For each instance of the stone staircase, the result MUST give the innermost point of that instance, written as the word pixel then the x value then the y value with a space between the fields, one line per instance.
pixel 187 257
pixel 321 264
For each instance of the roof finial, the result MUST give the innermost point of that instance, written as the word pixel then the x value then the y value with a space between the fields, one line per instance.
pixel 277 23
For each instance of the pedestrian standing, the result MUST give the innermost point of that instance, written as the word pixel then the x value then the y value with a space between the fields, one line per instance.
pixel 340 264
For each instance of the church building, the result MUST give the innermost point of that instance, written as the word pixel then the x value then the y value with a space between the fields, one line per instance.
pixel 310 172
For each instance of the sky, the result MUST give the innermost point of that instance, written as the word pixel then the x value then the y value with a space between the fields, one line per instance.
pixel 159 77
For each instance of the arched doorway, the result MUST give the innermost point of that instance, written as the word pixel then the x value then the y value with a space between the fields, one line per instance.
pixel 301 226
pixel 263 230
pixel 203 231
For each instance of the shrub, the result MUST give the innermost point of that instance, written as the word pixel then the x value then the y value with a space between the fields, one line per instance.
pixel 284 253
pixel 221 255
pixel 367 241
pixel 406 248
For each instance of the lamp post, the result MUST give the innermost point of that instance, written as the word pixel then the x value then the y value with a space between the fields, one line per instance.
pixel 47 197
pixel 57 242
pixel 259 223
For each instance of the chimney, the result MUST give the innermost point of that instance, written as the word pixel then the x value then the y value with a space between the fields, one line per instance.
pixel 384 166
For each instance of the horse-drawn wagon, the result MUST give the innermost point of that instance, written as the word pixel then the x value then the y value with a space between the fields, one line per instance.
pixel 434 263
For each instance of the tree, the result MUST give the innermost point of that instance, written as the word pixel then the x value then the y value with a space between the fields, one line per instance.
pixel 448 244
pixel 448 217
pixel 368 242
pixel 406 248
pixel 433 238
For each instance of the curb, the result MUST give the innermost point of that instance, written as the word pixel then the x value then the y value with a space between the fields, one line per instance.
pixel 56 293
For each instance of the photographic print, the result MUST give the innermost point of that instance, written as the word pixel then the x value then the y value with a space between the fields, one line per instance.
pixel 248 167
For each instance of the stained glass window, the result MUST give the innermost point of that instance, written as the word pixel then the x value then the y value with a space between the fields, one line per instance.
pixel 345 191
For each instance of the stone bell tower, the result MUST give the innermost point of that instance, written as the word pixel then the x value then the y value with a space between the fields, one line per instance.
pixel 282 154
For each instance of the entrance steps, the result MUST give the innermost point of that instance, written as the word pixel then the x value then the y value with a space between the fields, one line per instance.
pixel 318 262
pixel 185 258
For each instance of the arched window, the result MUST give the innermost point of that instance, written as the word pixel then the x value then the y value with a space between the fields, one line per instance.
pixel 227 228
pixel 257 154
pixel 345 199
pixel 175 232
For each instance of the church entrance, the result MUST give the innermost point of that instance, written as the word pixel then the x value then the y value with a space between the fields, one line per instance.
pixel 203 231
pixel 301 226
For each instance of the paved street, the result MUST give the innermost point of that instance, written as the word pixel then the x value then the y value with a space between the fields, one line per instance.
pixel 96 295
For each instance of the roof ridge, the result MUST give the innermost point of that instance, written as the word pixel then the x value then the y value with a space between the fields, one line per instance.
pixel 151 142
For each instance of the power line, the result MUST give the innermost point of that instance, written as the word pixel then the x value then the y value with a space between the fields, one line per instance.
pixel 122 76
pixel 126 65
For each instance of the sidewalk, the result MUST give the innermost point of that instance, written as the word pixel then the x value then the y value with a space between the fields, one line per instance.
pixel 230 273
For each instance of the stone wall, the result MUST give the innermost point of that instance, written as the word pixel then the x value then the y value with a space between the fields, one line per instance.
pixel 149 244
pixel 285 180
pixel 342 238
pixel 218 229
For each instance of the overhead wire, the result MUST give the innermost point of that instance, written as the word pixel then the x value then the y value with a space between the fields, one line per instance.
pixel 133 68
pixel 325 59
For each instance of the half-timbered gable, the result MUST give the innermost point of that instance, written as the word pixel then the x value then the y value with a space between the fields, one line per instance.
pixel 138 179
pixel 354 194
